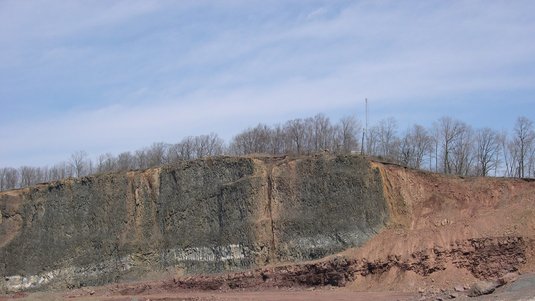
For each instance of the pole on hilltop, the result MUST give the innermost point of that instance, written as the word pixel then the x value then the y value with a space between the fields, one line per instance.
pixel 365 131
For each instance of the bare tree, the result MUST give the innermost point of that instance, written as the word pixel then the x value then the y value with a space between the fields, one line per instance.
pixel 278 140
pixel 156 154
pixel 61 170
pixel 195 147
pixel 125 161
pixel 3 179
pixel 41 174
pixel 187 148
pixel 462 150
pixel 201 147
pixel 487 143
pixel 173 154
pixel 253 140
pixel 209 145
pixel 387 138
pixel 28 176
pixel 435 148
pixel 414 145
pixel 44 174
pixel 11 178
pixel 296 133
pixel 531 163
pixel 373 139
pixel 448 130
pixel 106 163
pixel 347 130
pixel 141 159
pixel 510 156
pixel 79 163
pixel 322 133
pixel 523 142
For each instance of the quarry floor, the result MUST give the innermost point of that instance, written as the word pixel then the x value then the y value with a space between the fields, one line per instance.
pixel 521 289
pixel 290 295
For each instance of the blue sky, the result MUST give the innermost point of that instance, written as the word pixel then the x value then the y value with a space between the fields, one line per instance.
pixel 110 76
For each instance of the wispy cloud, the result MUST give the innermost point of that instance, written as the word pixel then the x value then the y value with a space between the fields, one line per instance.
pixel 117 75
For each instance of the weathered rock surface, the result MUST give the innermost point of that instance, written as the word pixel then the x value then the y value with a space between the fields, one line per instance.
pixel 203 216
pixel 482 288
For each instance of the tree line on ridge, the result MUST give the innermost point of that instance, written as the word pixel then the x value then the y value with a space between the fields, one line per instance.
pixel 449 146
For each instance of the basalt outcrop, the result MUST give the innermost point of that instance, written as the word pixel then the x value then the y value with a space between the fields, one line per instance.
pixel 204 216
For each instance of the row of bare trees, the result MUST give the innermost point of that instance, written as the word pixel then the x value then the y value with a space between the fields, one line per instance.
pixel 80 164
pixel 299 136
pixel 161 153
pixel 449 146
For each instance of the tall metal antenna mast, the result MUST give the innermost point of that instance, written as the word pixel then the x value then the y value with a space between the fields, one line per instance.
pixel 366 100
pixel 365 132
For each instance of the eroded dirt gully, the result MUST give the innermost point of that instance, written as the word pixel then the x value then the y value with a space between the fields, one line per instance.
pixel 444 232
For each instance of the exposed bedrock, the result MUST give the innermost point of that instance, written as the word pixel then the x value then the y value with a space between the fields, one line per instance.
pixel 203 216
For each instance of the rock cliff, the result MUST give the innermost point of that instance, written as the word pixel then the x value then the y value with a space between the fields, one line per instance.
pixel 203 216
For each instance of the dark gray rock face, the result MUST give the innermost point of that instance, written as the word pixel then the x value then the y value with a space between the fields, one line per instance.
pixel 203 216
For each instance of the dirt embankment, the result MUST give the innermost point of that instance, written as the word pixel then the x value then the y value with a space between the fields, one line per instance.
pixel 467 228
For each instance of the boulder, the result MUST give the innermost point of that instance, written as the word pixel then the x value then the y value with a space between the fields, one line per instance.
pixel 482 288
